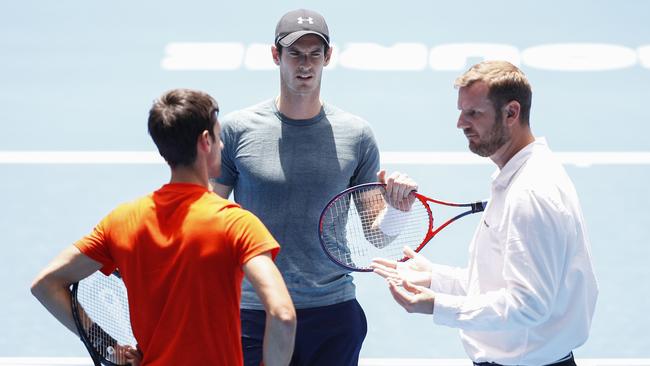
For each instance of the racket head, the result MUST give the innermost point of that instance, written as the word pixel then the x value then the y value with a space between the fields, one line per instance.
pixel 359 224
pixel 100 309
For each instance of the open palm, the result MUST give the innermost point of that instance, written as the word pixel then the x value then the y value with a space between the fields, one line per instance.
pixel 417 270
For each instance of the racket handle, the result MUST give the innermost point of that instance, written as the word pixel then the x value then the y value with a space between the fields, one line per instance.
pixel 479 206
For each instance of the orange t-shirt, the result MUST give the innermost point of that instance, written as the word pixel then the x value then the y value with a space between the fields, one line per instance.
pixel 180 252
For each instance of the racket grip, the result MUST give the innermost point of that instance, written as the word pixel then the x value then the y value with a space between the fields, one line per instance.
pixel 478 206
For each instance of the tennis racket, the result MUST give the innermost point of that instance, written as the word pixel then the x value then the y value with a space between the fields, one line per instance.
pixel 100 309
pixel 361 223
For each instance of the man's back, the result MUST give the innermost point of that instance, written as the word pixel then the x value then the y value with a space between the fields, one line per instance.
pixel 180 252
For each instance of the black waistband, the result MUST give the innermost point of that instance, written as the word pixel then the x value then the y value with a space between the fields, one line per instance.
pixel 564 361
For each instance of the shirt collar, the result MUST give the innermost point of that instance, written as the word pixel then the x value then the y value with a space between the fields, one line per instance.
pixel 502 177
pixel 298 122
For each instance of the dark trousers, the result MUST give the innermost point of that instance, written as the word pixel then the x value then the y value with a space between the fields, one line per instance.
pixel 565 362
pixel 328 335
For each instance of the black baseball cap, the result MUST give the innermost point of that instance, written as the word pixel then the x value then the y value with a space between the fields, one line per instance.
pixel 298 23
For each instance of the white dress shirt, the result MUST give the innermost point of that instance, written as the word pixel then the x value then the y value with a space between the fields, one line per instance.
pixel 528 294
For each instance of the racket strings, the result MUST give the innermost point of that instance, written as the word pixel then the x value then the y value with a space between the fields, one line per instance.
pixel 106 316
pixel 361 225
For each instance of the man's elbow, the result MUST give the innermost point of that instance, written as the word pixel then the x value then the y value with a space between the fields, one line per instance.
pixel 39 287
pixel 46 284
pixel 531 310
pixel 284 315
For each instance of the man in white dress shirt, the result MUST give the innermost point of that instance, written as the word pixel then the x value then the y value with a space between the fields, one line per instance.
pixel 528 294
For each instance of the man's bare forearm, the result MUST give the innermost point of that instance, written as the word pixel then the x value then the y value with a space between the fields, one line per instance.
pixel 279 336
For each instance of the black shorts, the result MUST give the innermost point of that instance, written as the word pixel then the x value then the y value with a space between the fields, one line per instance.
pixel 327 335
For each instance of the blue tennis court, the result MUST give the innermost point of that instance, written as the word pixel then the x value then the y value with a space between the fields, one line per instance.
pixel 77 79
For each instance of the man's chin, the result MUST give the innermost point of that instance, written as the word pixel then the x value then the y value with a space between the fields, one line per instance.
pixel 479 150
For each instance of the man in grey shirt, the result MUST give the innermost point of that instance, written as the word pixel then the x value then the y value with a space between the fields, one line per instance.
pixel 285 158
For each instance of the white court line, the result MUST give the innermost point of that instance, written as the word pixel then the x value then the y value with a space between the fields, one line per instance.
pixel 582 159
pixel 466 362
pixel 46 361
pixel 465 158
pixel 85 361
pixel 80 157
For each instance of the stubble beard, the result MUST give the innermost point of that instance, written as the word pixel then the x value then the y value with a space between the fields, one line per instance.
pixel 497 137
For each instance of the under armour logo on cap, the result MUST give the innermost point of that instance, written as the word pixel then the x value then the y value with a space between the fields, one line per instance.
pixel 301 19
pixel 298 23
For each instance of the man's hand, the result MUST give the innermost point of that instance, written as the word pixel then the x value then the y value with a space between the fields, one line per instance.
pixel 417 270
pixel 398 189
pixel 418 299
pixel 132 355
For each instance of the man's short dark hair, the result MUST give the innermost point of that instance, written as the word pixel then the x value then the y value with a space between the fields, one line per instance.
pixel 177 119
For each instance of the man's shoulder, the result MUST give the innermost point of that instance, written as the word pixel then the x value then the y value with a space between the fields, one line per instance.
pixel 130 210
pixel 221 214
pixel 334 111
pixel 544 168
pixel 543 179
pixel 248 114
pixel 225 208
pixel 135 204
pixel 341 118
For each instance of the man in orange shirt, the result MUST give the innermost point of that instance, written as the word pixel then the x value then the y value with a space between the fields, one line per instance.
pixel 182 252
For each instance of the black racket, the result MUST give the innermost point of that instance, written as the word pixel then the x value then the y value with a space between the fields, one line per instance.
pixel 360 224
pixel 100 308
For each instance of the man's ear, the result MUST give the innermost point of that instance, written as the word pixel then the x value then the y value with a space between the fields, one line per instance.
pixel 328 55
pixel 203 142
pixel 512 111
pixel 276 55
